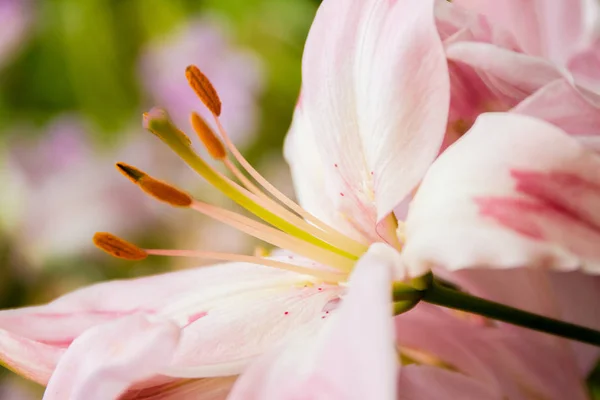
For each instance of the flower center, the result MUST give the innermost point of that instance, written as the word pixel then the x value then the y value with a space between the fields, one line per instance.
pixel 284 223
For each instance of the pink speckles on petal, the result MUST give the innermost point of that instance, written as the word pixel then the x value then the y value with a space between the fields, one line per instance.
pixel 331 305
pixel 195 317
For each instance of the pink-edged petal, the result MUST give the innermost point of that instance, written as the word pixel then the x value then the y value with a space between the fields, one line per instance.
pixel 517 366
pixel 514 191
pixel 59 322
pixel 223 334
pixel 306 165
pixel 352 357
pixel 104 361
pixel 424 383
pixel 52 327
pixel 375 96
pixel 509 74
pixel 28 358
pixel 564 106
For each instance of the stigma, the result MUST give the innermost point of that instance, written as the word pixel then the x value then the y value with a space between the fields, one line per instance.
pixel 278 220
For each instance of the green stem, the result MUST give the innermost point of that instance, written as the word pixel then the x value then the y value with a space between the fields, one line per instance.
pixel 437 294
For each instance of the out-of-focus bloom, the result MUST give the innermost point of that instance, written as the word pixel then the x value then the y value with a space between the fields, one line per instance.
pixel 539 58
pixel 15 18
pixel 61 190
pixel 370 122
pixel 235 73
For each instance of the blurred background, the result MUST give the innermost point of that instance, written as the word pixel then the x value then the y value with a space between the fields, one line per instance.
pixel 75 76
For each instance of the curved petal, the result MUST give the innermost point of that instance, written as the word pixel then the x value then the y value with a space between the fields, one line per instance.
pixel 424 383
pixel 517 366
pixel 585 67
pixel 562 295
pixel 375 96
pixel 548 28
pixel 104 361
pixel 185 389
pixel 33 338
pixel 226 328
pixel 511 74
pixel 352 357
pixel 514 191
pixel 28 358
pixel 562 105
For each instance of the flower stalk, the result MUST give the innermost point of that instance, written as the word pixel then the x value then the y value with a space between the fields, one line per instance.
pixel 457 300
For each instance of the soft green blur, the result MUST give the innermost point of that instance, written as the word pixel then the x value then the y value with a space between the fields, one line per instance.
pixel 82 58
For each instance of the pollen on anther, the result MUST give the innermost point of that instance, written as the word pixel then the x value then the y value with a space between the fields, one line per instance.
pixel 204 89
pixel 117 247
pixel 164 192
pixel 215 147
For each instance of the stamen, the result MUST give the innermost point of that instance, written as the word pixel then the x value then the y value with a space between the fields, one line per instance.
pixel 202 86
pixel 324 275
pixel 117 247
pixel 165 192
pixel 207 136
pixel 275 236
pixel 160 190
pixel 204 89
pixel 299 228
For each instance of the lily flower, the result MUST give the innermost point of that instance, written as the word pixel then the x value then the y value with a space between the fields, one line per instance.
pixel 369 124
pixel 231 313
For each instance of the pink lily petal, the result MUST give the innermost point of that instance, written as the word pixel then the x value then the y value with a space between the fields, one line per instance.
pixel 190 389
pixel 545 28
pixel 31 359
pixel 352 357
pixel 513 75
pixel 585 67
pixel 224 330
pixel 375 97
pixel 514 191
pixel 560 295
pixel 506 362
pixel 104 361
pixel 562 105
pixel 51 328
pixel 419 382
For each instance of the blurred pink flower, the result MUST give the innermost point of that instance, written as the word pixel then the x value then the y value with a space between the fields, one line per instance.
pixel 62 189
pixel 539 58
pixel 235 73
pixel 15 19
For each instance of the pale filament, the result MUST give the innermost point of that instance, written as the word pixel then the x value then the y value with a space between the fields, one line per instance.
pixel 334 240
pixel 273 236
pixel 323 275
pixel 242 178
pixel 277 194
